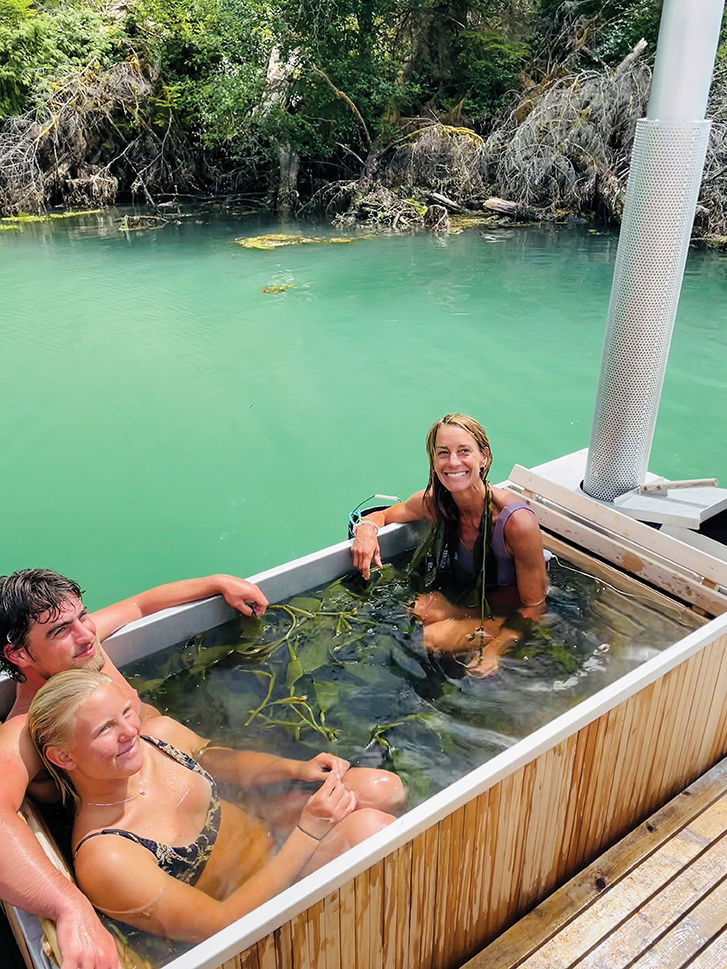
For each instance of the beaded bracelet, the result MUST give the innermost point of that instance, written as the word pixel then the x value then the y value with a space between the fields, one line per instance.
pixel 365 521
pixel 308 833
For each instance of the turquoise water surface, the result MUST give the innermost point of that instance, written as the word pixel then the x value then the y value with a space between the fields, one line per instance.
pixel 164 418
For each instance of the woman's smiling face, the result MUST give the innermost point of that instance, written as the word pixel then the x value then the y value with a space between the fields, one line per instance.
pixel 458 459
pixel 106 736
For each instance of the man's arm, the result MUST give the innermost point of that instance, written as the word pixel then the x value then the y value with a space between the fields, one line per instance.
pixel 241 595
pixel 28 879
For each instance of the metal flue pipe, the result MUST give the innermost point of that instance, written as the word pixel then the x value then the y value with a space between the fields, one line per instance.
pixel 661 197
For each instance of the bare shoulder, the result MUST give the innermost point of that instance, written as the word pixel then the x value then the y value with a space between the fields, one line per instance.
pixel 522 526
pixel 420 506
pixel 132 867
pixel 502 497
pixel 19 760
pixel 175 733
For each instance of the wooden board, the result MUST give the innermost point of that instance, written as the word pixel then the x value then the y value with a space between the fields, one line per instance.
pixel 645 888
pixel 663 545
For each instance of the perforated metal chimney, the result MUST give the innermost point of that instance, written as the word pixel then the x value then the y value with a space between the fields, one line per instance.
pixel 666 172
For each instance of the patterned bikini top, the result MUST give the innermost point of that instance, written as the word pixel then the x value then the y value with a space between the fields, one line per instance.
pixel 186 863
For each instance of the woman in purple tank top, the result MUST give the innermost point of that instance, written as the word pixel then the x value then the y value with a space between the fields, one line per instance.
pixel 484 551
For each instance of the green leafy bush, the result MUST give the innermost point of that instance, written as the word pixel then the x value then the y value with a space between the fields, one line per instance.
pixel 37 45
pixel 488 65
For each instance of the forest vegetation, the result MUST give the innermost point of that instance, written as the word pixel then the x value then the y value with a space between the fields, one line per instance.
pixel 385 111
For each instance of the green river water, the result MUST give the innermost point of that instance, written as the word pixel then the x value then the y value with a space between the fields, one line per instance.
pixel 162 417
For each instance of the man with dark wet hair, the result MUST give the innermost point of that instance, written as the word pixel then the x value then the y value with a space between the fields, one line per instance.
pixel 44 629
pixel 25 597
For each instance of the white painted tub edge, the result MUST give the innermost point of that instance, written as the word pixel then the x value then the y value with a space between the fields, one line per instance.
pixel 269 916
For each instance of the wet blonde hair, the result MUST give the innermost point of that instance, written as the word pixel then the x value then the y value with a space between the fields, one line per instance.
pixel 442 503
pixel 51 719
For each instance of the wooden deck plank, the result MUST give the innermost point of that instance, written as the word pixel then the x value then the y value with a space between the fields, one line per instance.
pixel 645 925
pixel 559 910
pixel 713 956
pixel 631 892
pixel 685 940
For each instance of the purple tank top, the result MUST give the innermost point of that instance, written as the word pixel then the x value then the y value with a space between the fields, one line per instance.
pixel 506 574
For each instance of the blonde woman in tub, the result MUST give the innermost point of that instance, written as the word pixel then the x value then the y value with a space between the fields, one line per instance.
pixel 45 629
pixel 482 563
pixel 154 846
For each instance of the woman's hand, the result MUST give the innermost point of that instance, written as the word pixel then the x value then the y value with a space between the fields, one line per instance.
pixel 485 663
pixel 320 766
pixel 330 804
pixel 492 648
pixel 365 548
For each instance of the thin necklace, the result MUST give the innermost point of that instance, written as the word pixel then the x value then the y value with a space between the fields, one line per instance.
pixel 122 801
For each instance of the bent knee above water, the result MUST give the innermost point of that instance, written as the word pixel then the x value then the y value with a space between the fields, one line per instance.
pixel 362 824
pixel 376 788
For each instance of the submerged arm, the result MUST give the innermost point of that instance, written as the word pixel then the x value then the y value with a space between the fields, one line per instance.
pixel 241 595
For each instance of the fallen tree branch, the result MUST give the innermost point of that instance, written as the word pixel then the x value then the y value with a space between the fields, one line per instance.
pixel 344 97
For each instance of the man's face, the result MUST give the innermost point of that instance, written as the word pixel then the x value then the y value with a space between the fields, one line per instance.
pixel 66 642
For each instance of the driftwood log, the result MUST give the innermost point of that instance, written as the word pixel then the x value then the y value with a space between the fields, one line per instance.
pixel 443 200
